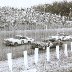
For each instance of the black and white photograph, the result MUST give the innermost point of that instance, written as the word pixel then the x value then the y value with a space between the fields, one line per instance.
pixel 35 35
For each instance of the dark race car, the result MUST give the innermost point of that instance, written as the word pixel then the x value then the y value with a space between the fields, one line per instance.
pixel 47 43
pixel 55 43
pixel 40 45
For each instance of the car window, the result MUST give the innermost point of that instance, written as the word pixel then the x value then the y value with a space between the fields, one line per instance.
pixel 17 37
pixel 24 38
pixel 20 37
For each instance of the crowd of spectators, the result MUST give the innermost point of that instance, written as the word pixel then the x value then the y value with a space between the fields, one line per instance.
pixel 14 18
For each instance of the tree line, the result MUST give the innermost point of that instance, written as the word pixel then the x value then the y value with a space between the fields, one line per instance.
pixel 62 8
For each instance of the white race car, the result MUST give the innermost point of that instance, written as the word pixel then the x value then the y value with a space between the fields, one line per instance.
pixel 67 38
pixel 17 40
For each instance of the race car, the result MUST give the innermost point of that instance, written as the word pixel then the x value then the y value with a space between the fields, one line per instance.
pixel 52 44
pixel 48 43
pixel 40 45
pixel 17 40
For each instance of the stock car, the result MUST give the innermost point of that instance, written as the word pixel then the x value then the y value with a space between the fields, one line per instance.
pixel 67 38
pixel 40 45
pixel 17 40
pixel 52 43
pixel 58 37
pixel 54 38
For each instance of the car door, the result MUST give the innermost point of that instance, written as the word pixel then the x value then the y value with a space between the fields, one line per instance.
pixel 24 39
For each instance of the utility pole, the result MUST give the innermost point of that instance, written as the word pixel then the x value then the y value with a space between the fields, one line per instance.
pixel 70 14
pixel 45 14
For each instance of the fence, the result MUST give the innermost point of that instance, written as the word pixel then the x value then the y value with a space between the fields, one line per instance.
pixel 9 56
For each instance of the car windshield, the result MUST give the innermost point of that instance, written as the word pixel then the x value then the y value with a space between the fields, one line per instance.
pixel 17 37
pixel 50 37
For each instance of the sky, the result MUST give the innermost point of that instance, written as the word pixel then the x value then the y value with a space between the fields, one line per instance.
pixel 25 3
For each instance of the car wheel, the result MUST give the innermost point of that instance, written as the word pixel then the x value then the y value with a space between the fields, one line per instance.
pixel 29 42
pixel 15 44
pixel 59 39
pixel 44 48
pixel 22 42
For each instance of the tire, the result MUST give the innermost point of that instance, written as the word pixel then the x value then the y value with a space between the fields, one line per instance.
pixel 29 42
pixel 22 42
pixel 44 48
pixel 15 44
pixel 59 39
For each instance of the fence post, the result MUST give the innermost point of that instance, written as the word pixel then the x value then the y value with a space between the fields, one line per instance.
pixel 36 55
pixel 25 59
pixel 65 50
pixel 9 57
pixel 57 52
pixel 71 46
pixel 48 53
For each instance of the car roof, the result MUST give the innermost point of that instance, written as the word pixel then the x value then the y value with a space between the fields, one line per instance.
pixel 19 35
